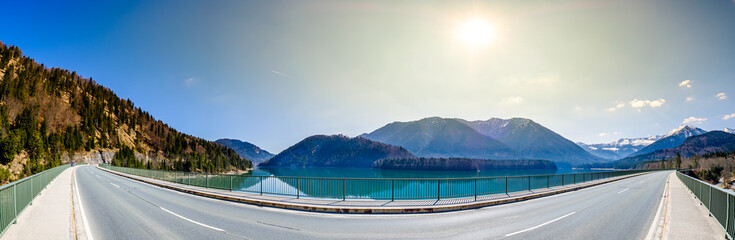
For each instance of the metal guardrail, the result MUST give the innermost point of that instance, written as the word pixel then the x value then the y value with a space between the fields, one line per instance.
pixel 17 195
pixel 371 188
pixel 721 204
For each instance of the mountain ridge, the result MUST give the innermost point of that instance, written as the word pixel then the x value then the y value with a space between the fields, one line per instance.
pixel 246 150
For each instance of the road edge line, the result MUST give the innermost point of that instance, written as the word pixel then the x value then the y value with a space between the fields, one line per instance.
pixel 81 210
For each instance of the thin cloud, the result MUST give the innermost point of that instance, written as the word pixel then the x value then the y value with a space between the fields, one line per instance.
pixel 689 99
pixel 577 108
pixel 686 83
pixel 280 73
pixel 721 96
pixel 190 81
pixel 514 100
pixel 726 117
pixel 616 107
pixel 602 134
pixel 644 103
pixel 694 120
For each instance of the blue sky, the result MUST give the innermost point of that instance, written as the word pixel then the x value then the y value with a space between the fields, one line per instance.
pixel 274 72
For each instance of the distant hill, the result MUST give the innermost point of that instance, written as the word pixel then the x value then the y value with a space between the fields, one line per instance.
pixel 246 150
pixel 671 140
pixel 729 130
pixel 441 137
pixel 619 149
pixel 531 140
pixel 50 116
pixel 714 141
pixel 460 164
pixel 335 151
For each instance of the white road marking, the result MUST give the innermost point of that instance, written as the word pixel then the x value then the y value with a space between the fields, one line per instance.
pixel 624 190
pixel 540 225
pixel 652 230
pixel 195 222
pixel 81 209
pixel 115 185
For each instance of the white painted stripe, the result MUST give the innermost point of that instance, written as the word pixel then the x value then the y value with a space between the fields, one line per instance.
pixel 652 230
pixel 81 209
pixel 541 225
pixel 115 185
pixel 624 190
pixel 195 222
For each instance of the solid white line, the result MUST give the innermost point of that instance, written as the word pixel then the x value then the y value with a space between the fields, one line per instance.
pixel 115 185
pixel 195 222
pixel 652 230
pixel 81 209
pixel 624 190
pixel 541 225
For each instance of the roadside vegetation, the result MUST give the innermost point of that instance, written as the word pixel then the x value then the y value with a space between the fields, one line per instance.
pixel 716 168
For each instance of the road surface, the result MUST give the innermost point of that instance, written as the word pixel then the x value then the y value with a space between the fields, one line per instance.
pixel 120 208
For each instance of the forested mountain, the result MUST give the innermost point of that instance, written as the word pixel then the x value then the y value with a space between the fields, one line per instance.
pixel 531 140
pixel 441 137
pixel 246 150
pixel 707 143
pixel 460 164
pixel 48 116
pixel 671 139
pixel 335 151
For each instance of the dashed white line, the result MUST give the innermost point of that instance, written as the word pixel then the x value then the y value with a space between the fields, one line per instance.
pixel 115 185
pixel 81 209
pixel 195 222
pixel 624 190
pixel 540 225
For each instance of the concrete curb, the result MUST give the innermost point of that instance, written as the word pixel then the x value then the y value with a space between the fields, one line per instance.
pixel 378 210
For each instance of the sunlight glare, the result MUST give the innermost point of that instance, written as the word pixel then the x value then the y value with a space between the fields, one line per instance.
pixel 476 32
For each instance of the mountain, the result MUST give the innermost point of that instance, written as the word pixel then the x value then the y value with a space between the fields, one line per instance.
pixel 714 141
pixel 335 151
pixel 671 139
pixel 531 140
pixel 729 130
pixel 246 150
pixel 50 116
pixel 460 164
pixel 441 137
pixel 620 148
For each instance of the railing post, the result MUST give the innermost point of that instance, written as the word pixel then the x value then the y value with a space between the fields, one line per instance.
pixel 547 181
pixel 475 189
pixel 298 183
pixel 261 185
pixel 438 189
pixel 392 189
pixel 562 180
pixel 230 183
pixel 206 179
pixel 575 178
pixel 506 185
pixel 15 205
pixel 344 194
pixel 529 183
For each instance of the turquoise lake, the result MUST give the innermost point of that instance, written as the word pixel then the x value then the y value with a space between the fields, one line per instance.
pixel 378 173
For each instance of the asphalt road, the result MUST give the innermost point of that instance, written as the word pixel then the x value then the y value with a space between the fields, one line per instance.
pixel 120 208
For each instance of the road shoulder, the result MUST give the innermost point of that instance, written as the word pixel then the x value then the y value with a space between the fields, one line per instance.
pixel 688 219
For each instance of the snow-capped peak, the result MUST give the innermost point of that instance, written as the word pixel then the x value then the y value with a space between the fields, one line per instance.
pixel 729 130
pixel 687 130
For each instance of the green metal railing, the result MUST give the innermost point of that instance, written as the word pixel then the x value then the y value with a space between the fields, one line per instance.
pixel 720 203
pixel 16 196
pixel 372 188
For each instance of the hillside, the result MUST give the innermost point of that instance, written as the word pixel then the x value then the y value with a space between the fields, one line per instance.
pixel 441 137
pixel 246 150
pixel 50 116
pixel 460 164
pixel 671 140
pixel 531 140
pixel 711 142
pixel 335 151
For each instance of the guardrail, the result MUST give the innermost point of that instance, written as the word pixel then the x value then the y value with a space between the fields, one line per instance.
pixel 721 204
pixel 371 188
pixel 17 195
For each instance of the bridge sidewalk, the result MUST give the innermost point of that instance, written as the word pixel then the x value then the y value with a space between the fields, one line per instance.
pixel 368 206
pixel 49 216
pixel 687 218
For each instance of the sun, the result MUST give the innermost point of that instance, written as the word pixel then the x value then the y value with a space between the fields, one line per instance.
pixel 475 32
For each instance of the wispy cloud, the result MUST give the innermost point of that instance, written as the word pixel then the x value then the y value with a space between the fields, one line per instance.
pixel 190 81
pixel 721 96
pixel 689 99
pixel 514 100
pixel 694 120
pixel 603 134
pixel 280 73
pixel 650 103
pixel 577 108
pixel 686 83
pixel 616 107
pixel 726 117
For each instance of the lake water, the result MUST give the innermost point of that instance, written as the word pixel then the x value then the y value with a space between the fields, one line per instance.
pixel 378 173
